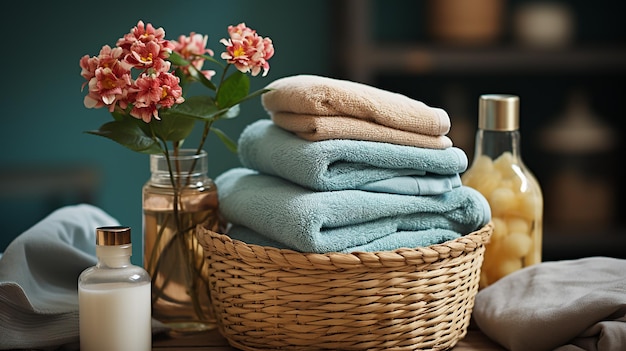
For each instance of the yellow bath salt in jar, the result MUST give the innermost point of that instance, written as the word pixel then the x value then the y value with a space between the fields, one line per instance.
pixel 513 192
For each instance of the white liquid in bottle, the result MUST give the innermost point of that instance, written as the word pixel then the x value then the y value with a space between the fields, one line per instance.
pixel 114 298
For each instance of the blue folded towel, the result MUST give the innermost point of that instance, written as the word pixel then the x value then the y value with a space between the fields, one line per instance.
pixel 410 239
pixel 341 164
pixel 429 184
pixel 345 220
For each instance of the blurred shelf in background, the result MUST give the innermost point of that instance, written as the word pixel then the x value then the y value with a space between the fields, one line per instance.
pixel 367 62
pixel 447 53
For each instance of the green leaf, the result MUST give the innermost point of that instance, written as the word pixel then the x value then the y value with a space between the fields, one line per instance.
pixel 197 75
pixel 194 73
pixel 212 59
pixel 228 142
pixel 177 60
pixel 185 79
pixel 128 133
pixel 202 108
pixel 254 94
pixel 230 113
pixel 119 116
pixel 172 126
pixel 233 89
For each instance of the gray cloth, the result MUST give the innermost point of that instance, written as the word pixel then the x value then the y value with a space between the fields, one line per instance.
pixel 569 305
pixel 39 279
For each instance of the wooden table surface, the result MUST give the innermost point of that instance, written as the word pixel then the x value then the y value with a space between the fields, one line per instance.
pixel 212 340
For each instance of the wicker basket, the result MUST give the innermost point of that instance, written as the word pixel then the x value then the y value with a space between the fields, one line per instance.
pixel 408 299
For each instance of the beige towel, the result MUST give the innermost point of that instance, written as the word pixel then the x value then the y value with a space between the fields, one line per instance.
pixel 323 96
pixel 316 128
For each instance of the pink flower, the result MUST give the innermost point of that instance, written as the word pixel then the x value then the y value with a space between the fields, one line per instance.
pixel 190 48
pixel 148 55
pixel 107 58
pixel 172 92
pixel 247 51
pixel 136 76
pixel 143 34
pixel 107 86
pixel 240 31
pixel 153 91
pixel 145 113
pixel 265 50
pixel 146 47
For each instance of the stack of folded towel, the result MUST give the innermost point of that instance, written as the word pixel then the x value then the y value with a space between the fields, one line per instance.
pixel 342 166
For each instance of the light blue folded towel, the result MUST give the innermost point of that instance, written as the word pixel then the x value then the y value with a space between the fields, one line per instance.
pixel 341 164
pixel 345 220
pixel 429 184
pixel 410 239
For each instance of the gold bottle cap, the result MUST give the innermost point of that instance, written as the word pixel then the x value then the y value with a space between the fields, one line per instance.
pixel 111 236
pixel 498 112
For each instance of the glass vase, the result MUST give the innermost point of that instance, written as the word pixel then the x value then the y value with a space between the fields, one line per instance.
pixel 178 196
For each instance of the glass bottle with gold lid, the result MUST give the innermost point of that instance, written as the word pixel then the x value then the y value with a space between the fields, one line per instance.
pixel 114 297
pixel 513 192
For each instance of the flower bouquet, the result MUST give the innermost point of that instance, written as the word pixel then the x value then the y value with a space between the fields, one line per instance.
pixel 143 82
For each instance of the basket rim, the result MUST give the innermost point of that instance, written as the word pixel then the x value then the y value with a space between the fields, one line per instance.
pixel 220 243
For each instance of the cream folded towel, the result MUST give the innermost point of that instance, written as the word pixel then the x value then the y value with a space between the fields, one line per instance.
pixel 317 128
pixel 323 96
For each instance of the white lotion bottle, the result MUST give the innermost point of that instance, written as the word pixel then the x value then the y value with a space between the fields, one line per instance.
pixel 114 298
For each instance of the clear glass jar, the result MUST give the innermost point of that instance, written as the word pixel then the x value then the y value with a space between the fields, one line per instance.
pixel 178 197
pixel 513 192
pixel 114 297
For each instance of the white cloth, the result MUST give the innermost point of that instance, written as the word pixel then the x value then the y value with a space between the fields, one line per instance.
pixel 571 305
pixel 39 279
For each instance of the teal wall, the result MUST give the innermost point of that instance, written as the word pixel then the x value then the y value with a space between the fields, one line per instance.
pixel 43 117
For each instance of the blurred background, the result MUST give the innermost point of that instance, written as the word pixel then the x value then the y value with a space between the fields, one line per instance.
pixel 565 59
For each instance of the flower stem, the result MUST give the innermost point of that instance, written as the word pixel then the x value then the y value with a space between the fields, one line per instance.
pixel 209 123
